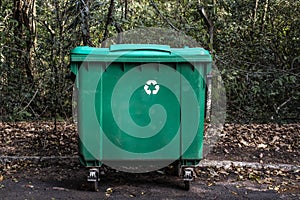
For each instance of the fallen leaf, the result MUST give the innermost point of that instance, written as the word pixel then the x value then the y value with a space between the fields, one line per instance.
pixel 109 190
pixel 276 188
pixel 244 142
pixel 274 139
pixel 210 184
pixel 29 186
pixel 262 146
pixel 15 180
pixel 60 188
pixel 226 151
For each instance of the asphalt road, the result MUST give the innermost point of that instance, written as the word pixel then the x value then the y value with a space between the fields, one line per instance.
pixel 46 184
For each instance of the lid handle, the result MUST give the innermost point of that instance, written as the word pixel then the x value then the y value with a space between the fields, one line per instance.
pixel 137 47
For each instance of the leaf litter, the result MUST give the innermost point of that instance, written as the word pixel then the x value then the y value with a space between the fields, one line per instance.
pixel 268 143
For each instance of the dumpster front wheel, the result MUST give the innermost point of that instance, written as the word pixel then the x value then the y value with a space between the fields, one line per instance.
pixel 93 178
pixel 188 177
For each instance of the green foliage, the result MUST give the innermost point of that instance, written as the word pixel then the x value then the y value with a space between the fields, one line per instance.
pixel 255 46
pixel 256 55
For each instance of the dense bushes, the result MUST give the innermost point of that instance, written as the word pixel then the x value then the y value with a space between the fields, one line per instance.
pixel 255 47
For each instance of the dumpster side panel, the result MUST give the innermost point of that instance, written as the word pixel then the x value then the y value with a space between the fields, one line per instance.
pixel 89 132
pixel 192 123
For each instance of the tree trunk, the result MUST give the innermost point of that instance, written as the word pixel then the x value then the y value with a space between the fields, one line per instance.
pixel 109 20
pixel 210 31
pixel 263 21
pixel 24 12
pixel 85 27
pixel 254 19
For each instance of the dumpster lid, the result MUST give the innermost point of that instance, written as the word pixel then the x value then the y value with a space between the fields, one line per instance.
pixel 132 47
pixel 140 53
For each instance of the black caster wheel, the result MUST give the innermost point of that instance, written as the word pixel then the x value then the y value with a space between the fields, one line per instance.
pixel 93 179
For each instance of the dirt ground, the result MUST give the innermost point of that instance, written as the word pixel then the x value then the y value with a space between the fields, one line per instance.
pixel 61 180
pixel 66 178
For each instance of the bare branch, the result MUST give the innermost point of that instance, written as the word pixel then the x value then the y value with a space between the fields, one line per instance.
pixel 108 22
pixel 162 16
pixel 120 33
pixel 209 25
pixel 255 14
pixel 265 15
pixel 29 101
pixel 85 27
pixel 281 105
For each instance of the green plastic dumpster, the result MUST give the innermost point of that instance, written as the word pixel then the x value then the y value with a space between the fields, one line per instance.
pixel 140 107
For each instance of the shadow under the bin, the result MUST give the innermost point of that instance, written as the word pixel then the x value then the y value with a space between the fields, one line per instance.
pixel 77 181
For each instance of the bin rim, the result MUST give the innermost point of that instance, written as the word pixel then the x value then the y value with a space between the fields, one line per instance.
pixel 140 53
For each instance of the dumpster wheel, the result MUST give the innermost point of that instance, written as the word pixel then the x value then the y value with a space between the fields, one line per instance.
pixel 188 177
pixel 93 179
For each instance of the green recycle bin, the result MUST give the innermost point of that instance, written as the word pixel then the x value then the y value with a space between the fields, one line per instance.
pixel 140 107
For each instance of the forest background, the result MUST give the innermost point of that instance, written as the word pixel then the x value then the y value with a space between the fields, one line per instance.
pixel 255 45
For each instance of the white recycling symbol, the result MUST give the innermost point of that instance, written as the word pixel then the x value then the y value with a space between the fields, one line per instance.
pixel 151 91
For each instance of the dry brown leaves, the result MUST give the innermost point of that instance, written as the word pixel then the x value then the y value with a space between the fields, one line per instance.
pixel 278 180
pixel 267 143
pixel 38 138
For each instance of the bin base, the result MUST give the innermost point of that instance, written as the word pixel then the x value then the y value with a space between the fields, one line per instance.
pixel 90 163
